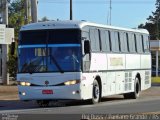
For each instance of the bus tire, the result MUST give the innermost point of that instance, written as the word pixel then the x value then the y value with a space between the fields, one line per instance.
pixel 43 103
pixel 96 94
pixel 135 94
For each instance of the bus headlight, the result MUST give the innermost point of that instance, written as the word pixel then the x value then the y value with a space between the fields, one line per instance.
pixel 28 84
pixel 72 82
pixel 24 83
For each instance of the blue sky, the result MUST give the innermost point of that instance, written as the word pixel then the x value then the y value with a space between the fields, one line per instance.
pixel 125 13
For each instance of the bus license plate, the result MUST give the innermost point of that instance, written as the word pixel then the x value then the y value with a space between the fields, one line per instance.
pixel 47 91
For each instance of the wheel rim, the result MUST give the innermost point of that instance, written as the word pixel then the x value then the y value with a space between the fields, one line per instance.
pixel 137 88
pixel 96 92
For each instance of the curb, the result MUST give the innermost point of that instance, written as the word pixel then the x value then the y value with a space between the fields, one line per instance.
pixel 155 84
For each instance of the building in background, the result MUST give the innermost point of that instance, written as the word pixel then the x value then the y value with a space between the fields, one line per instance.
pixel 155 51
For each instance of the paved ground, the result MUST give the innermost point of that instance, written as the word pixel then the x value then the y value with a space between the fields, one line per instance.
pixel 11 92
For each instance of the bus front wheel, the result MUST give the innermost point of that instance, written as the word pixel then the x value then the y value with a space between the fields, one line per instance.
pixel 96 94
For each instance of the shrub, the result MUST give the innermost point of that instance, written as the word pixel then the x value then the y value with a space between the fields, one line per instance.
pixel 12 66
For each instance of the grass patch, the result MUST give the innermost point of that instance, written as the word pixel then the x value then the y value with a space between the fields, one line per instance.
pixel 155 79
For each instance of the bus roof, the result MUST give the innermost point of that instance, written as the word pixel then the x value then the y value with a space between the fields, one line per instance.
pixel 70 24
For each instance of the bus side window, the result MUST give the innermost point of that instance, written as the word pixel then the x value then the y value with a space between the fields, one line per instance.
pixel 105 43
pixel 139 43
pixel 146 43
pixel 115 41
pixel 94 37
pixel 123 42
pixel 86 57
pixel 132 44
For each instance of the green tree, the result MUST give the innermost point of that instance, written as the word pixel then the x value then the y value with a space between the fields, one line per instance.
pixel 44 19
pixel 155 15
pixel 153 26
pixel 16 20
pixel 16 15
pixel 12 66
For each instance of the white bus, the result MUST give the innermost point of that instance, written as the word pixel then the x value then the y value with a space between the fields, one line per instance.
pixel 105 61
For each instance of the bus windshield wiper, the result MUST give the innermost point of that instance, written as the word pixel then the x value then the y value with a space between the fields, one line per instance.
pixel 34 65
pixel 27 67
pixel 31 68
pixel 56 63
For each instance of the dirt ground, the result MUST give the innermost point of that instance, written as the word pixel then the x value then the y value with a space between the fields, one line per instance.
pixel 8 92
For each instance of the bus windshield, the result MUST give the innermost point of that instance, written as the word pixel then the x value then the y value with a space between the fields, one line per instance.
pixel 47 54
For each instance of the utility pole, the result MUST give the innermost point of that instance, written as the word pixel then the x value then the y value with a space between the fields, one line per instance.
pixel 4 4
pixel 5 75
pixel 1 11
pixel 71 17
pixel 34 11
pixel 110 12
pixel 157 52
pixel 26 4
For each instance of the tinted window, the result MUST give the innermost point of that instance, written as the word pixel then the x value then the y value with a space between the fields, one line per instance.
pixel 146 43
pixel 104 35
pixel 115 41
pixel 33 37
pixel 64 36
pixel 51 59
pixel 131 41
pixel 139 43
pixel 123 42
pixel 86 57
pixel 94 37
pixel 50 36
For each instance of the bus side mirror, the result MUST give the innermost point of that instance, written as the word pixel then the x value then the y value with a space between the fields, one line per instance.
pixel 86 47
pixel 12 48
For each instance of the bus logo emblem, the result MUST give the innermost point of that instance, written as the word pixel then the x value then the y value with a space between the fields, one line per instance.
pixel 46 83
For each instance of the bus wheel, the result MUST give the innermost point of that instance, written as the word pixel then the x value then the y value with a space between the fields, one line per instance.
pixel 135 94
pixel 96 96
pixel 43 103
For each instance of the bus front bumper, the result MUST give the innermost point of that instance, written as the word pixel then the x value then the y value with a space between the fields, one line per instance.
pixel 49 93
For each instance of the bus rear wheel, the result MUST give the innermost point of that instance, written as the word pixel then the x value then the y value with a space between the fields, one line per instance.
pixel 43 103
pixel 96 94
pixel 135 94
